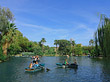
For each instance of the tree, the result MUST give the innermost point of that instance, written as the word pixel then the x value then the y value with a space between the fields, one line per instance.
pixel 38 50
pixel 15 47
pixel 96 44
pixel 91 42
pixel 42 42
pixel 56 43
pixel 24 44
pixel 72 46
pixel 7 37
pixel 6 28
pixel 85 50
pixel 6 17
pixel 72 42
pixel 103 35
pixel 64 47
pixel 78 49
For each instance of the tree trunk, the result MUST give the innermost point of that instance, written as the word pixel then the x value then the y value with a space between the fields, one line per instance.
pixel 56 50
pixel 5 45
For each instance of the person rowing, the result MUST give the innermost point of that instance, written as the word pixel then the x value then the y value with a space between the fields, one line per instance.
pixel 66 63
pixel 36 64
pixel 34 61
pixel 37 59
pixel 75 61
pixel 30 65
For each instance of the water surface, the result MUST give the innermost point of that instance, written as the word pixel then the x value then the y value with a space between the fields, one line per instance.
pixel 89 70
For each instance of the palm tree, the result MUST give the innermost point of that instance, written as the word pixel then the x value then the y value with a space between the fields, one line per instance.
pixel 72 45
pixel 6 17
pixel 7 37
pixel 42 42
pixel 91 42
pixel 56 43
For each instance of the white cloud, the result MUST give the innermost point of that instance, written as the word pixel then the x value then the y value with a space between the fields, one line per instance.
pixel 44 28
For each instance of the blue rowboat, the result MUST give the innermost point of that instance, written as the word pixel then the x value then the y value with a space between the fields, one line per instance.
pixel 33 69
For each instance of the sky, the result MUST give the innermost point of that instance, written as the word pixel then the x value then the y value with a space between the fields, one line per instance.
pixel 58 19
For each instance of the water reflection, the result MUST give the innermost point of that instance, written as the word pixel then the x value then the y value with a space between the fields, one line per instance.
pixel 105 62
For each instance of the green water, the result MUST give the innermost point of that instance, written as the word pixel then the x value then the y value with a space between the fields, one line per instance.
pixel 89 70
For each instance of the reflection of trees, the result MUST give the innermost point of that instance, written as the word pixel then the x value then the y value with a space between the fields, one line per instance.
pixel 105 70
pixel 13 69
pixel 104 66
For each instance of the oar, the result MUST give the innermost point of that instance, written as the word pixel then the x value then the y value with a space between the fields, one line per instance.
pixel 47 69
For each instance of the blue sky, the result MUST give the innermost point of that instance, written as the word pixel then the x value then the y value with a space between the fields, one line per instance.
pixel 58 19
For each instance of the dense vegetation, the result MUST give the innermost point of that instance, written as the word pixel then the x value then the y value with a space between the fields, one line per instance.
pixel 7 30
pixel 102 37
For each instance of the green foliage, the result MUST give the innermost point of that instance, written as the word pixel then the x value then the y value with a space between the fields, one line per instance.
pixel 43 41
pixel 22 44
pixel 3 57
pixel 49 51
pixel 91 42
pixel 14 49
pixel 8 36
pixel 56 43
pixel 89 50
pixel 38 51
pixel 78 49
pixel 5 17
pixel 1 51
pixel 7 28
pixel 102 36
pixel 42 44
pixel 64 47
pixel 85 50
pixel 27 53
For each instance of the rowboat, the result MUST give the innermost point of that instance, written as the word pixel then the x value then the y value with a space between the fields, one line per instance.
pixel 33 69
pixel 62 65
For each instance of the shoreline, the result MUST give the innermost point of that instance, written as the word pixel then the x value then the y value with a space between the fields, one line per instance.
pixel 20 55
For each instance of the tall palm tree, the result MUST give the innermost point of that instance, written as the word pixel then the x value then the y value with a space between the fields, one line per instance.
pixel 72 45
pixel 56 43
pixel 42 42
pixel 6 17
pixel 7 37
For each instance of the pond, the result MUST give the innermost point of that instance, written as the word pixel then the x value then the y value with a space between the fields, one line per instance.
pixel 89 70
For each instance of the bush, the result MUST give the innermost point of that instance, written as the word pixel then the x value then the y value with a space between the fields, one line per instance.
pixel 3 57
pixel 38 51
pixel 28 53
